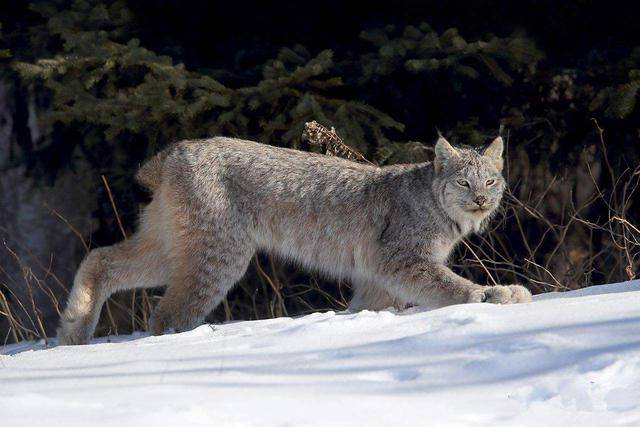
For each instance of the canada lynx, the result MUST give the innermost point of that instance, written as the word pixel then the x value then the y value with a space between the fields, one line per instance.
pixel 388 230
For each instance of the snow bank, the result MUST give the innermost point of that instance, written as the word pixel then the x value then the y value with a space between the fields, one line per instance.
pixel 565 359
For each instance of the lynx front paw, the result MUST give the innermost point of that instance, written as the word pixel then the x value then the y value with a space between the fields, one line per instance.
pixel 512 294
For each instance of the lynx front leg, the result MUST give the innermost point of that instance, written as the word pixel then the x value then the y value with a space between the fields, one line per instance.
pixel 427 283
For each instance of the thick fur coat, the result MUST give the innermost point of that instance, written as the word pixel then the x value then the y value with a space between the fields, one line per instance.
pixel 387 230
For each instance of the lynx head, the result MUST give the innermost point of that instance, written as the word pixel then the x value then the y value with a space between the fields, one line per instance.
pixel 469 183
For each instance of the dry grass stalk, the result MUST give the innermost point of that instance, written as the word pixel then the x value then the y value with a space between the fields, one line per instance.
pixel 490 256
pixel 113 206
pixel 319 135
pixel 139 311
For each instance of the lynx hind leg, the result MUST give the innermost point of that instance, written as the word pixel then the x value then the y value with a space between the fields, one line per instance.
pixel 370 296
pixel 205 269
pixel 133 263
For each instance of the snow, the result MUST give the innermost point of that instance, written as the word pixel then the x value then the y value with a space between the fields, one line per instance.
pixel 565 359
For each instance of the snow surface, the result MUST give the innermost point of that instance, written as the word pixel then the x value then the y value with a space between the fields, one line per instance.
pixel 565 359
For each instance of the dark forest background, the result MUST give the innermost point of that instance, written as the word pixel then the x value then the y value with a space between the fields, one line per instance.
pixel 90 89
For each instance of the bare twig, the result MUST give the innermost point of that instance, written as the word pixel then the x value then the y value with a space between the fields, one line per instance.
pixel 113 206
pixel 317 134
pixel 71 227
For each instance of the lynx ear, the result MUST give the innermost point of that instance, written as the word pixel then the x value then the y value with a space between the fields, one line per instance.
pixel 494 153
pixel 444 153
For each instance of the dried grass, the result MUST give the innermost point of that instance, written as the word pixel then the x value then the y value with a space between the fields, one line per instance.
pixel 272 289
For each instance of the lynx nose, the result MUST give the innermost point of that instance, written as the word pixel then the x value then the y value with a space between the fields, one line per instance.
pixel 480 200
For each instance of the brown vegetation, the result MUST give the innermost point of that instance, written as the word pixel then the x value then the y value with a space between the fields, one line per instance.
pixel 560 258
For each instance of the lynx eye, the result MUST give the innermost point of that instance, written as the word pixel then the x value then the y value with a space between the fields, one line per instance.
pixel 490 182
pixel 463 183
